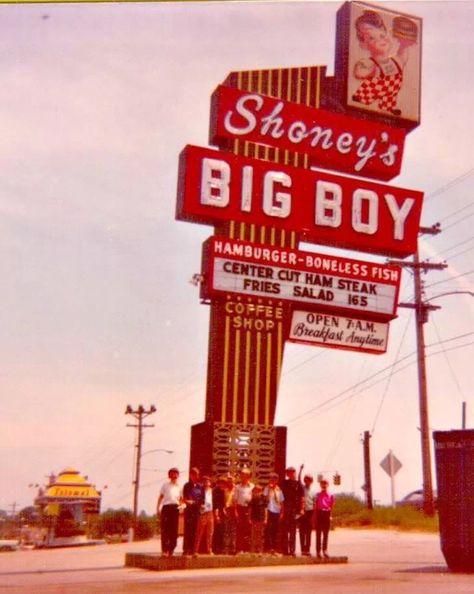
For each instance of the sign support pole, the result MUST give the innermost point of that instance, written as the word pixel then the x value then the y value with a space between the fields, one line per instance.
pixel 392 477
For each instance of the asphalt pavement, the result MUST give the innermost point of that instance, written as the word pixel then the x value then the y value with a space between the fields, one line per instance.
pixel 380 561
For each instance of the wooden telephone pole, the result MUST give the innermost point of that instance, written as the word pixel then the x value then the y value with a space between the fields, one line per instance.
pixel 139 414
pixel 422 310
pixel 367 472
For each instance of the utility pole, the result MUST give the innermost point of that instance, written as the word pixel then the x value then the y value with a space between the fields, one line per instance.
pixel 140 414
pixel 367 472
pixel 422 310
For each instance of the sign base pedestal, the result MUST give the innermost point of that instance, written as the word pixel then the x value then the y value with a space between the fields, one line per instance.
pixel 222 448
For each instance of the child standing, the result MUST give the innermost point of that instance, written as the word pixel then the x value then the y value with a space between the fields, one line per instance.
pixel 258 518
pixel 323 506
pixel 274 496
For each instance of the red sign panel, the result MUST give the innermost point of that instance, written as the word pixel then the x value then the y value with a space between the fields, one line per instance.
pixel 324 208
pixel 325 330
pixel 331 140
pixel 315 280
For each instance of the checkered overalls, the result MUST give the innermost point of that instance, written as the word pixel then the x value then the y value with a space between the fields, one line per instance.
pixel 381 87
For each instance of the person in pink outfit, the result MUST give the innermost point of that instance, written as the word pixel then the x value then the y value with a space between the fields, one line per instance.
pixel 323 505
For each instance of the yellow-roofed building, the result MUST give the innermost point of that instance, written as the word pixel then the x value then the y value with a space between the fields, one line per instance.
pixel 65 504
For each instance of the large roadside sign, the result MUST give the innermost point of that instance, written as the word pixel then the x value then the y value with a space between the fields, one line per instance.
pixel 316 280
pixel 323 208
pixel 299 156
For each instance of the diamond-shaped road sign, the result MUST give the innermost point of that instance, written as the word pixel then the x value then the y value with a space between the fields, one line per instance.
pixel 391 464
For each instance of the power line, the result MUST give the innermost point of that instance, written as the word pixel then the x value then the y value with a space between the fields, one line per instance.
pixel 339 436
pixel 458 222
pixel 459 244
pixel 471 293
pixel 354 386
pixel 454 182
pixel 366 388
pixel 98 450
pixel 447 280
pixel 389 378
pixel 453 214
pixel 304 362
pixel 461 253
pixel 116 454
pixel 458 385
pixel 454 348
pixel 377 373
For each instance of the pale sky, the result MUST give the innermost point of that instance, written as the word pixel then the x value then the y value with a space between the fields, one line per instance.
pixel 97 311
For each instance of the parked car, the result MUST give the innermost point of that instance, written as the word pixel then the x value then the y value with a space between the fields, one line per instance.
pixel 8 545
pixel 414 499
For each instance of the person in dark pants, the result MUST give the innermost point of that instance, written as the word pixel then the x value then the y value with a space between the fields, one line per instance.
pixel 205 526
pixel 275 498
pixel 307 519
pixel 323 505
pixel 169 501
pixel 218 506
pixel 293 494
pixel 258 519
pixel 193 497
pixel 229 517
pixel 242 497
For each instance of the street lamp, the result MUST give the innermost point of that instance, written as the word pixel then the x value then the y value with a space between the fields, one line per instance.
pixel 158 450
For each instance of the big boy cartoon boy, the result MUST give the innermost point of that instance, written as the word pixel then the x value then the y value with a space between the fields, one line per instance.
pixel 382 71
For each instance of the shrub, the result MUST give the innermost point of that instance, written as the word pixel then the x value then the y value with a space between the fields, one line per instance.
pixel 347 505
pixel 350 511
pixel 145 528
pixel 116 522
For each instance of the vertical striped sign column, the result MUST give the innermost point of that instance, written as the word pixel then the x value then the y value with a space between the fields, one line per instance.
pixel 247 335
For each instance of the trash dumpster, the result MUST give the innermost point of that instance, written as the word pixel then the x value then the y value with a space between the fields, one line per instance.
pixel 454 453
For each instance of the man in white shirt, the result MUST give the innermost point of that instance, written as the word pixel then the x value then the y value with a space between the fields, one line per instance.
pixel 167 510
pixel 242 497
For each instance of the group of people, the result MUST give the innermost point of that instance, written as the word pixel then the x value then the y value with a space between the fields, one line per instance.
pixel 235 517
